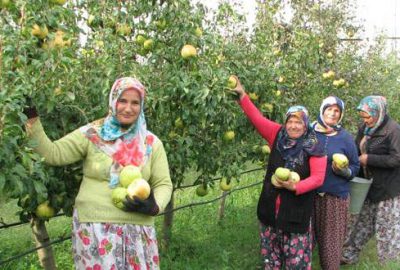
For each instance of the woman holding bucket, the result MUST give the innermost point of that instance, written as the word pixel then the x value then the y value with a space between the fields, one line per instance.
pixel 332 199
pixel 378 142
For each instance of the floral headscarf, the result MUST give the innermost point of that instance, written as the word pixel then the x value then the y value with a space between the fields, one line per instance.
pixel 131 146
pixel 320 124
pixel 376 107
pixel 294 151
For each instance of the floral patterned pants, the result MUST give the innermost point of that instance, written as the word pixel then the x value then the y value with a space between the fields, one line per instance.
pixel 381 219
pixel 106 246
pixel 291 250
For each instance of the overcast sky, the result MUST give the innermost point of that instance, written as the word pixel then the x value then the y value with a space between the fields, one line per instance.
pixel 382 15
pixel 375 15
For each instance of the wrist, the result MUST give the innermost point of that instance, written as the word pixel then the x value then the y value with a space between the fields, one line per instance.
pixel 155 210
pixel 30 122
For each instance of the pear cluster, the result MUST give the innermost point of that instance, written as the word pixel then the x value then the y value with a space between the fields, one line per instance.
pixel 131 184
pixel 284 174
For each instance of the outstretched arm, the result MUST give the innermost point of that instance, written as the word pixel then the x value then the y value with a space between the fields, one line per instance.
pixel 67 150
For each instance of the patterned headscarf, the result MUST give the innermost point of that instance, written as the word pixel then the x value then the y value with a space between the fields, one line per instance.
pixel 300 112
pixel 320 124
pixel 376 107
pixel 131 146
pixel 294 151
pixel 111 128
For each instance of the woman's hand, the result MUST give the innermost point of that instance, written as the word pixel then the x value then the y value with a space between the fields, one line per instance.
pixel 288 184
pixel 30 109
pixel 344 172
pixel 147 206
pixel 239 88
pixel 363 160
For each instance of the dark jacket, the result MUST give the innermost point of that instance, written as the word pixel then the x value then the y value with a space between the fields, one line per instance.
pixel 295 210
pixel 383 149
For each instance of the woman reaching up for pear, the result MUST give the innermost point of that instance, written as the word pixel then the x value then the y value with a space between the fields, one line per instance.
pixel 284 210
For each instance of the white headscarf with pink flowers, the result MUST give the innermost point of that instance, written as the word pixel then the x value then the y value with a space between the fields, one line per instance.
pixel 130 146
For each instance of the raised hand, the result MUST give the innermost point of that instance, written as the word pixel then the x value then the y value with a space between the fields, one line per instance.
pixel 30 109
pixel 239 88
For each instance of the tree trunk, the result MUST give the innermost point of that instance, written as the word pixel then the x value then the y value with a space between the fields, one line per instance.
pixel 221 210
pixel 41 237
pixel 167 226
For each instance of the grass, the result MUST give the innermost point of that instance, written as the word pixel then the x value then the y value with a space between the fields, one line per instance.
pixel 199 239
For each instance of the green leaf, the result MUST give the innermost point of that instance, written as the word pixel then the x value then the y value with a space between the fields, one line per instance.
pixel 18 185
pixel 39 187
pixel 50 107
pixel 20 170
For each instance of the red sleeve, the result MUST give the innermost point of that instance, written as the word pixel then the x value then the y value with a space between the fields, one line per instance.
pixel 267 128
pixel 316 178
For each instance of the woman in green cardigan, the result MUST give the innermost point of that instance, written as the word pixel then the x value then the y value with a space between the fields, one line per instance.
pixel 104 235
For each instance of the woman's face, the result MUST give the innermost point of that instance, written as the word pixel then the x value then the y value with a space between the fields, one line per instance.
pixel 128 107
pixel 368 120
pixel 331 115
pixel 295 127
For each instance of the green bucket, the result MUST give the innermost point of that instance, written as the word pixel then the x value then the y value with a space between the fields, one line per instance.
pixel 359 188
